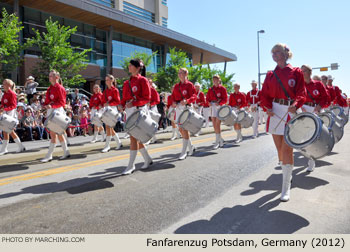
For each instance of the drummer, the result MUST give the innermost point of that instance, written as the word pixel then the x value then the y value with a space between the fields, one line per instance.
pixel 253 101
pixel 333 91
pixel 217 97
pixel 136 96
pixel 200 100
pixel 316 99
pixel 184 94
pixel 280 95
pixel 8 106
pixel 206 112
pixel 55 101
pixel 237 101
pixel 175 130
pixel 155 100
pixel 111 99
pixel 96 106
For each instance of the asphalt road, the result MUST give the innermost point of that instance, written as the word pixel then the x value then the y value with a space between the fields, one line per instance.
pixel 234 189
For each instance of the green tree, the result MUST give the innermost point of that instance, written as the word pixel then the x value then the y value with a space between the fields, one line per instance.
pixel 10 47
pixel 145 57
pixel 57 53
pixel 226 79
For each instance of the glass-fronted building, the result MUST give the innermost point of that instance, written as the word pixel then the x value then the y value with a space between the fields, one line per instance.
pixel 114 30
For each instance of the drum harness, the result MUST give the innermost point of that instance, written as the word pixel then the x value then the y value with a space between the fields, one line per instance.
pixel 312 98
pixel 254 96
pixel 235 100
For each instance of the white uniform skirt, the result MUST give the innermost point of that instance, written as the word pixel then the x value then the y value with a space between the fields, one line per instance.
pixel 274 124
pixel 154 109
pixel 129 111
pixel 308 108
pixel 60 109
pixel 214 110
pixel 12 113
pixel 95 111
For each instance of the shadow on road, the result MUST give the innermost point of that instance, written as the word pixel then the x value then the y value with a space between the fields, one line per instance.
pixel 253 218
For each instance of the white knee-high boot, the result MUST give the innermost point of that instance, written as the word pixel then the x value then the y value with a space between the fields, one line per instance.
pixel 286 182
pixel 20 145
pixel 239 136
pixel 119 143
pixel 103 134
pixel 191 148
pixel 66 153
pixel 131 166
pixel 107 147
pixel 4 150
pixel 217 141
pixel 146 157
pixel 183 154
pixel 178 135
pixel 311 165
pixel 94 139
pixel 173 136
pixel 48 156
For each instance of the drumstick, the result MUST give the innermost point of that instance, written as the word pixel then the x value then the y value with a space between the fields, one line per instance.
pixel 281 120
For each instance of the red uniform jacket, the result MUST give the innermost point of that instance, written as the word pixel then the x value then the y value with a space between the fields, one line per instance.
pixel 200 101
pixel 169 101
pixel 55 96
pixel 111 96
pixel 237 100
pixel 293 81
pixel 155 99
pixel 9 100
pixel 318 92
pixel 253 97
pixel 217 94
pixel 140 92
pixel 334 93
pixel 206 104
pixel 184 90
pixel 342 101
pixel 96 101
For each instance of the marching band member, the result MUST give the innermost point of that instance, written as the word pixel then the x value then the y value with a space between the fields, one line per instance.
pixel 316 99
pixel 9 107
pixel 155 99
pixel 253 101
pixel 333 91
pixel 175 129
pixel 217 96
pixel 136 96
pixel 200 100
pixel 206 112
pixel 55 100
pixel 237 101
pixel 96 106
pixel 282 94
pixel 184 94
pixel 111 98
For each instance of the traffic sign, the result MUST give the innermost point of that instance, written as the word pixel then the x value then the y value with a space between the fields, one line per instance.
pixel 334 66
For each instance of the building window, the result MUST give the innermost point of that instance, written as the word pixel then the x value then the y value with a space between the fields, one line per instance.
pixel 109 3
pixel 165 2
pixel 164 22
pixel 138 12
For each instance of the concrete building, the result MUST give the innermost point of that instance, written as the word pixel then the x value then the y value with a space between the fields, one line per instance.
pixel 114 29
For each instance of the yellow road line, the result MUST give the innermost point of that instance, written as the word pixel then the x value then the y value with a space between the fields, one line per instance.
pixel 45 173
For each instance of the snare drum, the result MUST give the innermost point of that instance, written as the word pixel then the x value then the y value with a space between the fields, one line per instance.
pixel 245 119
pixel 96 119
pixel 227 115
pixel 307 133
pixel 110 116
pixel 7 123
pixel 154 115
pixel 57 122
pixel 141 126
pixel 339 111
pixel 191 121
pixel 329 120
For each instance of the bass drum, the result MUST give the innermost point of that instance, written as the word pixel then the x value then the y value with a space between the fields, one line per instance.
pixel 110 116
pixel 245 119
pixel 191 121
pixel 329 119
pixel 57 122
pixel 307 133
pixel 141 126
pixel 339 111
pixel 7 123
pixel 227 115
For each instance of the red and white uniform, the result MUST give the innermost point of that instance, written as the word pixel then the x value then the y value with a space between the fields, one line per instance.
pixel 111 97
pixel 206 112
pixel 199 103
pixel 171 110
pixel 56 97
pixel 183 91
pixel 9 103
pixel 216 95
pixel 96 104
pixel 155 99
pixel 237 100
pixel 139 94
pixel 253 101
pixel 316 94
pixel 293 81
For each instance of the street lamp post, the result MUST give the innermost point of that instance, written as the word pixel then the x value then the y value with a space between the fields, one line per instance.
pixel 261 31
